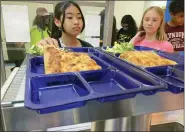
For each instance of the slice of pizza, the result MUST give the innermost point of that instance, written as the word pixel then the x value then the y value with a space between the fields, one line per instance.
pixel 57 61
pixel 79 62
pixel 146 58
pixel 52 57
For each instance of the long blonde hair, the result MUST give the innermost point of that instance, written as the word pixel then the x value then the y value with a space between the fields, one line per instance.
pixel 161 36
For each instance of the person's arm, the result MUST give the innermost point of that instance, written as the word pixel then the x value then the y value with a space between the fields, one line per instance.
pixel 138 37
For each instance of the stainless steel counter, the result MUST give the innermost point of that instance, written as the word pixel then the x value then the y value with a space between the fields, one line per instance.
pixel 17 117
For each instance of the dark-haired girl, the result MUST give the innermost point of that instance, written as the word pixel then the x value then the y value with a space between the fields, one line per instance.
pixel 128 30
pixel 68 24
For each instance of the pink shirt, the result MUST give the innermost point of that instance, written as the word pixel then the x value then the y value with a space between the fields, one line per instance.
pixel 159 45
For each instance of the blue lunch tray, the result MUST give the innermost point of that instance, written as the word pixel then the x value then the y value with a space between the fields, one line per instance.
pixel 156 71
pixel 171 75
pixel 54 92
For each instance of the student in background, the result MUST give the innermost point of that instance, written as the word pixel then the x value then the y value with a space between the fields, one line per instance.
pixel 114 29
pixel 40 28
pixel 128 30
pixel 175 27
pixel 151 31
pixel 68 24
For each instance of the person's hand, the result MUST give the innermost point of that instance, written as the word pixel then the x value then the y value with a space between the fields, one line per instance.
pixel 47 42
pixel 138 37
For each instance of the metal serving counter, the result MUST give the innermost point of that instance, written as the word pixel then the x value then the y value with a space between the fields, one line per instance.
pixel 16 117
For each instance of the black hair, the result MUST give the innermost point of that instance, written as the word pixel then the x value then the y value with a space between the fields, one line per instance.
pixel 39 21
pixel 51 20
pixel 132 27
pixel 114 29
pixel 176 6
pixel 60 10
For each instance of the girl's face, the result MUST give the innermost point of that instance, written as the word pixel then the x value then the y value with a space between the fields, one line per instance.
pixel 73 21
pixel 151 21
pixel 125 26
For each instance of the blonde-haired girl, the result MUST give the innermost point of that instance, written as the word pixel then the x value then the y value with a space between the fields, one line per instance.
pixel 151 31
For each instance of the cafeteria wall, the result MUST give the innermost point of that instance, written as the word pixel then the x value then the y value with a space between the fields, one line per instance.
pixel 161 4
pixel 134 8
pixel 31 8
pixel 31 14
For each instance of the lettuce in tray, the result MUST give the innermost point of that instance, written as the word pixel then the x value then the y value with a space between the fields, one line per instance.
pixel 120 48
pixel 35 50
pixel 38 51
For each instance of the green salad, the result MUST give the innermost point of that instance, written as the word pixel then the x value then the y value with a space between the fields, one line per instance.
pixel 34 50
pixel 37 51
pixel 120 47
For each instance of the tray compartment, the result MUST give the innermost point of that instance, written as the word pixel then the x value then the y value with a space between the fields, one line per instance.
pixel 57 88
pixel 110 81
pixel 173 77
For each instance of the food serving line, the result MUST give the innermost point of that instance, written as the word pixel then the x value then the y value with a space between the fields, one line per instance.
pixel 17 117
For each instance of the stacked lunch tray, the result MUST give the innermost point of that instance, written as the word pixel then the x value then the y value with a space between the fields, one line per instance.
pixel 116 80
pixel 173 76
